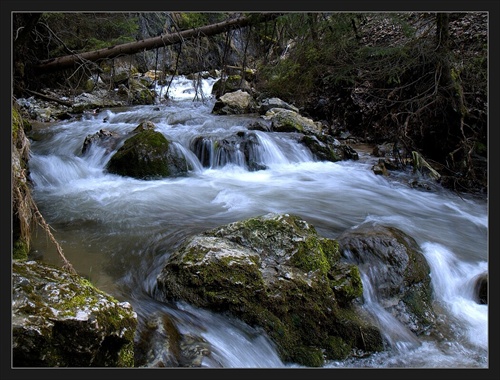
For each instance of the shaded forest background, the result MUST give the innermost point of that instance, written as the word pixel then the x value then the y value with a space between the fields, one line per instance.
pixel 416 80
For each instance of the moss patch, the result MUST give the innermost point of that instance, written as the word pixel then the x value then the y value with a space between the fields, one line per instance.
pixel 143 156
pixel 60 320
pixel 275 272
pixel 310 256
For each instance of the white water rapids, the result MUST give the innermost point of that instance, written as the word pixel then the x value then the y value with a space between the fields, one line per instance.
pixel 117 231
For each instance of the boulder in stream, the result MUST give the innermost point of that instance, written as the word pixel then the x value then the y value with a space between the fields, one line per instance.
pixel 275 272
pixel 62 320
pixel 399 272
pixel 327 148
pixel 481 288
pixel 285 120
pixel 147 154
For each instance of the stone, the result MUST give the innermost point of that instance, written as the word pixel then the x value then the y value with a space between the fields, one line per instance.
pixel 275 272
pixel 62 320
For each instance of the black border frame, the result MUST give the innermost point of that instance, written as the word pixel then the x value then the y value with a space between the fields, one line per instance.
pixel 492 6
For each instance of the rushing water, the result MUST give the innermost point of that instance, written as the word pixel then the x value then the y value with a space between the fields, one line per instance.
pixel 117 231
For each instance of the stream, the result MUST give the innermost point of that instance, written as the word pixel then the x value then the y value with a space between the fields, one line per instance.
pixel 117 231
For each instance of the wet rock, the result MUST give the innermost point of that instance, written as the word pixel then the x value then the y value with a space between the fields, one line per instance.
pixel 277 273
pixel 61 320
pixel 271 103
pixel 234 103
pixel 259 126
pixel 103 138
pixel 328 148
pixel 398 270
pixel 159 343
pixel 139 93
pixel 96 99
pixel 380 169
pixel 230 84
pixel 147 155
pixel 283 120
pixel 481 288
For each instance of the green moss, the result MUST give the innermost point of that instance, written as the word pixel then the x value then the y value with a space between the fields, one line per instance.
pixel 330 248
pixel 88 297
pixel 309 356
pixel 356 332
pixel 16 123
pixel 346 282
pixel 418 299
pixel 20 250
pixel 287 123
pixel 310 256
pixel 143 155
pixel 337 348
pixel 53 292
pixel 214 284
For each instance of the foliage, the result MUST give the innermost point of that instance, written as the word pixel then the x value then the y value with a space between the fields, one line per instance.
pixel 81 32
pixel 390 77
pixel 311 44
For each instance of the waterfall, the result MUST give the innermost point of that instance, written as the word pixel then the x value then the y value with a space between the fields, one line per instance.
pixel 399 337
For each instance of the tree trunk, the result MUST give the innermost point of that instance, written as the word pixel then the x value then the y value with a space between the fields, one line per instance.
pixel 149 44
pixel 450 91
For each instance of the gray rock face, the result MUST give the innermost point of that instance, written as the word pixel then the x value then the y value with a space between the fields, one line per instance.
pixel 230 84
pixel 61 320
pixel 277 273
pixel 398 271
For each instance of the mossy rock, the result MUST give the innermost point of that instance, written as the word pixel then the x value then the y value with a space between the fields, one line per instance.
pixel 275 272
pixel 147 155
pixel 62 320
pixel 403 281
pixel 140 94
pixel 284 120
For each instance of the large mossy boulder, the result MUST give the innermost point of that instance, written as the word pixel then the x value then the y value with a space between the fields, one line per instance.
pixel 277 273
pixel 285 120
pixel 398 271
pixel 147 154
pixel 61 320
pixel 234 103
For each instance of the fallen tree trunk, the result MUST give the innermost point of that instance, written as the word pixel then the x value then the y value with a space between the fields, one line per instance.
pixel 68 61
